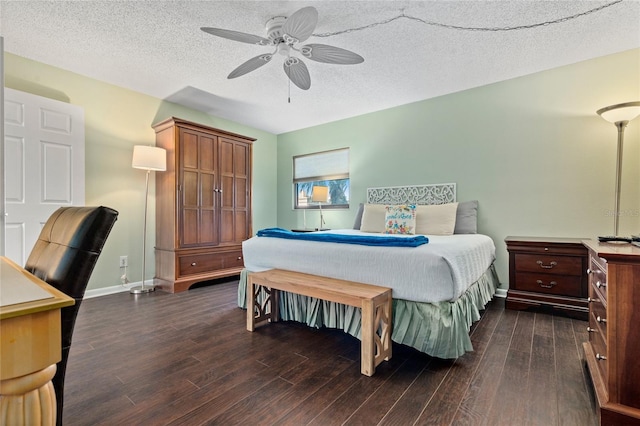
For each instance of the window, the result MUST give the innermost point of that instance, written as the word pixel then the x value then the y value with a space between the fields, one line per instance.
pixel 328 168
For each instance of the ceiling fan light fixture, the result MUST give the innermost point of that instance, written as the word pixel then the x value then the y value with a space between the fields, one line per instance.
pixel 284 49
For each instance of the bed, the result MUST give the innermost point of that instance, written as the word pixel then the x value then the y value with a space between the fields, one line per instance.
pixel 439 288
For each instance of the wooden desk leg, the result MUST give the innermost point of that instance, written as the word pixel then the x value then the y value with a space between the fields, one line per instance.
pixel 29 400
pixel 251 305
pixel 367 343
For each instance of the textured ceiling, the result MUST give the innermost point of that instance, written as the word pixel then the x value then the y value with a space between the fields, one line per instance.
pixel 157 48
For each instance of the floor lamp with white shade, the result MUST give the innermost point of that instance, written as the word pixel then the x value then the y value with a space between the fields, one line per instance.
pixel 620 115
pixel 149 158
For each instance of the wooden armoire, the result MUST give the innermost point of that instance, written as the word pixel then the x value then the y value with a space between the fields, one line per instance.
pixel 203 204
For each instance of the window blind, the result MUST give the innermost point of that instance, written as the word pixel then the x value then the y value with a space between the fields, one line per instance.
pixel 327 165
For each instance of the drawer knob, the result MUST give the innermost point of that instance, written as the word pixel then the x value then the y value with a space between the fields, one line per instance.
pixel 600 357
pixel 589 271
pixel 601 320
pixel 600 284
pixel 543 285
pixel 592 300
pixel 591 330
pixel 549 266
pixel 239 257
pixel 193 264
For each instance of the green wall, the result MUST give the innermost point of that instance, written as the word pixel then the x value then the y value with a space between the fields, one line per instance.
pixel 532 150
pixel 116 119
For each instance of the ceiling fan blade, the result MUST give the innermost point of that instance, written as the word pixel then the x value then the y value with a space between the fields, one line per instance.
pixel 237 36
pixel 251 65
pixel 300 25
pixel 297 72
pixel 330 54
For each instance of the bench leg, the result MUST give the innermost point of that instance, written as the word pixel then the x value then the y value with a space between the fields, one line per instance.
pixel 384 319
pixel 251 304
pixel 258 312
pixel 367 344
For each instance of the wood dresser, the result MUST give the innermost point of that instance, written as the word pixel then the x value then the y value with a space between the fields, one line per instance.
pixel 613 349
pixel 548 273
pixel 203 204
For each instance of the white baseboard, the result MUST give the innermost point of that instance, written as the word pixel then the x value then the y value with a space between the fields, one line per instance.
pixel 501 292
pixel 104 291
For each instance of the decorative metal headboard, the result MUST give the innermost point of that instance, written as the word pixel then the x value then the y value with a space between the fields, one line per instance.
pixel 440 193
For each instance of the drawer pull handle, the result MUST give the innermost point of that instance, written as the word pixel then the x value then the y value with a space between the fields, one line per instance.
pixel 600 284
pixel 601 320
pixel 591 330
pixel 600 357
pixel 549 266
pixel 543 285
pixel 193 264
pixel 592 300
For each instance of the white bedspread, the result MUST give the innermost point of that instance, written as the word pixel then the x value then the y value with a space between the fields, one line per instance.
pixel 435 272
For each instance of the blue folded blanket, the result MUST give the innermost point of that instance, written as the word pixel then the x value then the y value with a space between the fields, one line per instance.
pixel 366 240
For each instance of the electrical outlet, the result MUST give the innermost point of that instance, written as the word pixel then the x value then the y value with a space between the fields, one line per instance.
pixel 124 261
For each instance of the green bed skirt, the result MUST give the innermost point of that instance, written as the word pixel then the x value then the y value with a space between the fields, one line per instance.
pixel 437 329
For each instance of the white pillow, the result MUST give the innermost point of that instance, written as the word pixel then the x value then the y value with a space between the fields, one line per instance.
pixel 373 218
pixel 437 219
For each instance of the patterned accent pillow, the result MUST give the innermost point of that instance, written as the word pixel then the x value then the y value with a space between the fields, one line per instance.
pixel 400 219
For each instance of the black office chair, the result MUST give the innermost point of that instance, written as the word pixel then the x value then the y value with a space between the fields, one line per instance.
pixel 64 256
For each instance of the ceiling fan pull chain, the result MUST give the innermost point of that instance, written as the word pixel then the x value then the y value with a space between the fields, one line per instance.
pixel 289 84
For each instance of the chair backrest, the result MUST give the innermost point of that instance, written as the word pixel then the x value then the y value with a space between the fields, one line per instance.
pixel 64 256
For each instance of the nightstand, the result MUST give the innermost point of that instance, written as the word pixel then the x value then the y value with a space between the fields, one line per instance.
pixel 548 273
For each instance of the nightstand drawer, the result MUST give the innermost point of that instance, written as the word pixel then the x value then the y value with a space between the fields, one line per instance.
pixel 545 263
pixel 599 345
pixel 565 285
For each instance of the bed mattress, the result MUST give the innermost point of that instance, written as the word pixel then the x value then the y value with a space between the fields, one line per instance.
pixel 439 271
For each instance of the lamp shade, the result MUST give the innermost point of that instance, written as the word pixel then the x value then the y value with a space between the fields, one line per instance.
pixel 149 158
pixel 320 194
pixel 620 112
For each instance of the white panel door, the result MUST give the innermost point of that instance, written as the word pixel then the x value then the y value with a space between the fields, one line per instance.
pixel 44 165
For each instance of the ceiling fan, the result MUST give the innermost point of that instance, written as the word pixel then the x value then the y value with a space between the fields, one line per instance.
pixel 284 34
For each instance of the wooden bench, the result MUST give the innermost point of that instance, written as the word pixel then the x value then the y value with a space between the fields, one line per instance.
pixel 374 301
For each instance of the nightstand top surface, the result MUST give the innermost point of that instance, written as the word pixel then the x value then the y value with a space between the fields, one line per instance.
pixel 542 240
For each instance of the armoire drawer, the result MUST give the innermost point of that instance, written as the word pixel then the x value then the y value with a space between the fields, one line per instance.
pixel 207 262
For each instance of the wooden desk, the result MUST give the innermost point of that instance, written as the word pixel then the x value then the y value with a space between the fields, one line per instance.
pixel 30 339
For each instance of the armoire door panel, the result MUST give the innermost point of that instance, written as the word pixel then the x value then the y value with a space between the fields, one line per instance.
pixel 242 226
pixel 208 228
pixel 207 153
pixel 228 192
pixel 190 189
pixel 240 160
pixel 208 191
pixel 189 227
pixel 241 193
pixel 227 226
pixel 189 149
pixel 226 156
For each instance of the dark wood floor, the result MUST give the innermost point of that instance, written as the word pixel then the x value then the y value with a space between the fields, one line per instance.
pixel 187 359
